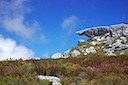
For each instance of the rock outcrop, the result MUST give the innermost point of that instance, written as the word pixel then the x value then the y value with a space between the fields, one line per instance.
pixel 114 37
pixel 114 30
pixel 103 41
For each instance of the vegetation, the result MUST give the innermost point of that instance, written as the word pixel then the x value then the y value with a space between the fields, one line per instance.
pixel 94 70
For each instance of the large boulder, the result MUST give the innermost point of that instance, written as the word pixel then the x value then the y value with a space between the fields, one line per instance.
pixel 57 55
pixel 75 53
pixel 66 54
pixel 114 30
pixel 54 80
pixel 90 50
pixel 94 31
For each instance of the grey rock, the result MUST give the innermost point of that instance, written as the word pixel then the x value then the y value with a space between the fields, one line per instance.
pixel 117 46
pixel 102 38
pixel 90 50
pixel 121 47
pixel 94 43
pixel 124 40
pixel 121 53
pixel 94 31
pixel 110 54
pixel 125 33
pixel 75 53
pixel 57 55
pixel 54 80
pixel 114 30
pixel 109 41
pixel 97 38
pixel 81 41
pixel 66 54
pixel 82 48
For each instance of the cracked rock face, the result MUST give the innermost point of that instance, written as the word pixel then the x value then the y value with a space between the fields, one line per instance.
pixel 114 30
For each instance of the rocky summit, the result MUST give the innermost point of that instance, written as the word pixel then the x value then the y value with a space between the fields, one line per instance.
pixel 103 41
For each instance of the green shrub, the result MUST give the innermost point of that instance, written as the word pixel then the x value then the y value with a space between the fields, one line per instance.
pixel 112 79
pixel 23 80
pixel 45 82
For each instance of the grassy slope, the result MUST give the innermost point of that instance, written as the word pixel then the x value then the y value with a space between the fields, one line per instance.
pixel 84 71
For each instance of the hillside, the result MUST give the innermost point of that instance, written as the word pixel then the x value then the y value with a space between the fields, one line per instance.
pixel 103 41
pixel 102 60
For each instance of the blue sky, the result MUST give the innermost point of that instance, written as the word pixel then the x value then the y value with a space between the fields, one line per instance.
pixel 48 26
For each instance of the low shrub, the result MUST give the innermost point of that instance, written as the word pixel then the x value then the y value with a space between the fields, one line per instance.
pixel 45 82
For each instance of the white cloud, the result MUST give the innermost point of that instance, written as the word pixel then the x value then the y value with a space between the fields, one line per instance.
pixel 18 26
pixel 12 18
pixel 9 49
pixel 70 24
pixel 14 7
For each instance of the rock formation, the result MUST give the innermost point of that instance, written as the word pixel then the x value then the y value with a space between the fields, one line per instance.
pixel 114 37
pixel 103 41
pixel 114 30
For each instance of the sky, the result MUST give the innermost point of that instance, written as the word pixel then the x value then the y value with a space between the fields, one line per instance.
pixel 40 28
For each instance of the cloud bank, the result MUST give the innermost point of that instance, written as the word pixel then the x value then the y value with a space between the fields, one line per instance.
pixel 12 18
pixel 9 49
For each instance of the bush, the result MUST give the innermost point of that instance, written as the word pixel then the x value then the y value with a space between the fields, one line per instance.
pixel 112 79
pixel 23 80
pixel 45 82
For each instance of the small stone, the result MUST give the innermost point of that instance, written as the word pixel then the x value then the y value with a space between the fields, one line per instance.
pixel 103 38
pixel 81 41
pixel 124 40
pixel 102 47
pixel 85 54
pixel 93 43
pixel 122 53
